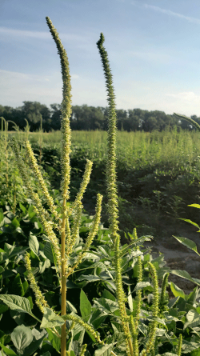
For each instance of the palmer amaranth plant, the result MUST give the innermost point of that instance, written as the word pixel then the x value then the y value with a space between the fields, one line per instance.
pixel 132 329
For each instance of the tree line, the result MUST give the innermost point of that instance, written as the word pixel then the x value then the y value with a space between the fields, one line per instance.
pixel 86 117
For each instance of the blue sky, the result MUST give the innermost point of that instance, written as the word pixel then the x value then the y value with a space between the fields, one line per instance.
pixel 153 48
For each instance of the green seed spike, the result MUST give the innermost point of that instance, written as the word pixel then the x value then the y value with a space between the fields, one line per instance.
pixel 112 194
pixel 179 345
pixel 192 122
pixel 65 168
pixel 111 162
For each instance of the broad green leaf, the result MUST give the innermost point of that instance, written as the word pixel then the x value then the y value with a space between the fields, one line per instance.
pixel 3 308
pixel 50 319
pixel 195 352
pixel 15 222
pixel 190 222
pixel 193 319
pixel 185 275
pixel 8 352
pixel 18 317
pixel 1 269
pixel 177 292
pixel 21 337
pixel 142 285
pixel 195 206
pixel 25 287
pixel 188 243
pixel 36 343
pixel 46 354
pixel 43 265
pixel 104 350
pixel 130 299
pixel 71 307
pixel 85 306
pixel 106 305
pixel 8 248
pixel 191 298
pixel 89 277
pixel 34 244
pixel 17 285
pixel 22 207
pixel 48 252
pixel 54 339
pixel 106 294
pixel 17 303
pixel 97 318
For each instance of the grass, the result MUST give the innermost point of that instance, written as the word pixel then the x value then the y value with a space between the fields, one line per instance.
pixel 134 148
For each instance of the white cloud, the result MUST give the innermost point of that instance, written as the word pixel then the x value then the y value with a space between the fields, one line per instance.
pixel 20 34
pixel 152 56
pixel 186 96
pixel 172 13
pixel 17 87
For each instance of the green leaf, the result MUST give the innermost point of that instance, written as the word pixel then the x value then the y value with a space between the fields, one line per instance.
pixel 89 277
pixel 34 244
pixel 193 319
pixel 17 285
pixel 195 206
pixel 106 294
pixel 130 299
pixel 104 350
pixel 22 207
pixel 50 319
pixel 8 352
pixel 46 354
pixel 17 303
pixel 21 337
pixel 15 222
pixel 188 243
pixel 177 292
pixel 190 222
pixel 1 269
pixel 195 352
pixel 43 265
pixel 25 287
pixel 85 306
pixel 142 285
pixel 185 275
pixel 48 252
pixel 55 340
pixel 37 342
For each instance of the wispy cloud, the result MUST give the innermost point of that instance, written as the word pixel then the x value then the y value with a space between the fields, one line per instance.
pixel 171 13
pixel 5 31
pixel 6 74
pixel 186 96
pixel 17 87
pixel 150 56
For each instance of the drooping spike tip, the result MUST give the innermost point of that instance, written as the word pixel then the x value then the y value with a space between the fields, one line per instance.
pixel 101 40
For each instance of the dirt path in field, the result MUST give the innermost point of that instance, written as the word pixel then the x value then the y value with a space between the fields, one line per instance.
pixel 176 255
pixel 162 229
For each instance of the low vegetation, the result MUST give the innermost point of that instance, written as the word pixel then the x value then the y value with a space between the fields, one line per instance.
pixel 68 286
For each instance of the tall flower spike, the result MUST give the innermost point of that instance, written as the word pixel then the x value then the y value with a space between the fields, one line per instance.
pixel 40 211
pixel 66 111
pixel 179 345
pixel 91 235
pixel 85 181
pixel 41 181
pixel 39 298
pixel 65 168
pixel 111 162
pixel 112 193
pixel 155 307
